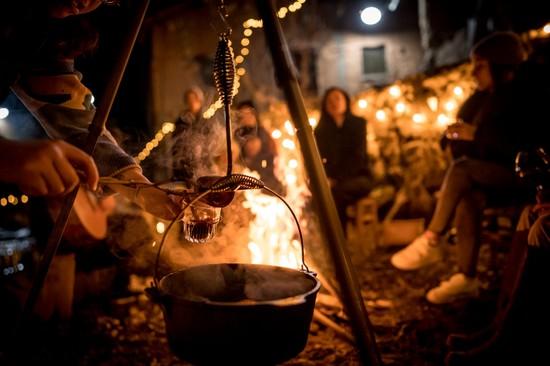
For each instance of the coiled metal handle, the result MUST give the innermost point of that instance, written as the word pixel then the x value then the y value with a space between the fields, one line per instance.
pixel 236 182
pixel 224 70
pixel 224 78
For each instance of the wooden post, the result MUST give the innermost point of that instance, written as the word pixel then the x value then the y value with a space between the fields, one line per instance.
pixel 350 290
pixel 95 129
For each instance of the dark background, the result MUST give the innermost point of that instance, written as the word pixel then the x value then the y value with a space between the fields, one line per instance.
pixel 131 112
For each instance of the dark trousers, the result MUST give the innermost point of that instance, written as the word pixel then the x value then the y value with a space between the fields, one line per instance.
pixel 463 196
pixel 347 192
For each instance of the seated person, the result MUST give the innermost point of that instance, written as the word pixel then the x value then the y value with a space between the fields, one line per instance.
pixel 49 102
pixel 258 150
pixel 342 141
pixel 495 138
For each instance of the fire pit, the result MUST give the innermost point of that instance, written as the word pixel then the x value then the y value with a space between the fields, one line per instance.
pixel 234 313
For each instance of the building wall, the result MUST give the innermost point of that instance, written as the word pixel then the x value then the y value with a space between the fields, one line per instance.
pixel 178 57
pixel 337 57
pixel 340 61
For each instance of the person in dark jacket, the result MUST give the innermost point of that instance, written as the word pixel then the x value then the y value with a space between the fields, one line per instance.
pixel 258 150
pixel 497 131
pixel 466 114
pixel 342 141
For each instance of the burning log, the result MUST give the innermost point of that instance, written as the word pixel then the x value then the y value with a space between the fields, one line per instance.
pixel 329 301
pixel 326 321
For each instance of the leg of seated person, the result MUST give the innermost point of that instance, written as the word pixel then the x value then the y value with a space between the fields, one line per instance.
pixel 468 226
pixel 463 176
pixel 348 191
pixel 341 204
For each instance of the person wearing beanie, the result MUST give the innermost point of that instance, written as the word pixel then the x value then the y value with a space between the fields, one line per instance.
pixel 496 131
pixel 258 149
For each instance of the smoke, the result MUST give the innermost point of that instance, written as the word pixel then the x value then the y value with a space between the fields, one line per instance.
pixel 136 235
pixel 197 148
pixel 228 245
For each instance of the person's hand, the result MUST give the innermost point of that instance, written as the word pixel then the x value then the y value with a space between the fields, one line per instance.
pixel 150 199
pixel 45 167
pixel 460 131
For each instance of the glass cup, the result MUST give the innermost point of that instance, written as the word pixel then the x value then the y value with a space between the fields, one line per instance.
pixel 200 222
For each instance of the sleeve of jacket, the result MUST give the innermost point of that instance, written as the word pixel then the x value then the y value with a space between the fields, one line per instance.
pixel 72 126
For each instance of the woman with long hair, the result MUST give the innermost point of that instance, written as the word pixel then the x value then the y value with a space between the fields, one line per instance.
pixel 498 130
pixel 342 141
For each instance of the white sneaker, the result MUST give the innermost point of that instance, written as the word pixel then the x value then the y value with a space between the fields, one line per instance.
pixel 457 287
pixel 417 254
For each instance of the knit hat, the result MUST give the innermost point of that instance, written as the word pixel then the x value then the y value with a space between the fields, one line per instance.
pixel 501 48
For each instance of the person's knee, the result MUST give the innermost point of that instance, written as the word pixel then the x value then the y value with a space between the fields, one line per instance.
pixel 458 176
pixel 460 168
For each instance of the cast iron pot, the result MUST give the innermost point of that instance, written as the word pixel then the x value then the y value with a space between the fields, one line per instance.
pixel 237 314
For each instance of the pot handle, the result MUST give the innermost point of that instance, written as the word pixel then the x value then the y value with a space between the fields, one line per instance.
pixel 153 293
pixel 165 235
pixel 304 268
pixel 232 182
pixel 157 297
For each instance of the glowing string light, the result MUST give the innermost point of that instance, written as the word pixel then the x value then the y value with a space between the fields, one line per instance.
pixel 458 91
pixel 395 91
pixel 166 129
pixel 400 107
pixel 433 103
pixel 419 118
pixel 248 25
pixel 381 115
pixel 313 122
pixel 276 134
pixel 13 200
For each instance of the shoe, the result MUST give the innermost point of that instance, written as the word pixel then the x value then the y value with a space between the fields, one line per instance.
pixel 416 255
pixel 457 287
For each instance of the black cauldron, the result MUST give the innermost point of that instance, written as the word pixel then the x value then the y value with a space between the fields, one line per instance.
pixel 237 314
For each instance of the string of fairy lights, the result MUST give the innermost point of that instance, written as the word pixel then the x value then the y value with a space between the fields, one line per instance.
pixel 419 110
pixel 13 200
pixel 396 102
pixel 248 29
pixel 166 129
pixel 433 106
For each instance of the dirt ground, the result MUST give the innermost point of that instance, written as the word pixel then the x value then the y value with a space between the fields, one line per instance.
pixel 409 331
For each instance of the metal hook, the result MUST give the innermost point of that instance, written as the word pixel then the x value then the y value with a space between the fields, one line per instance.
pixel 222 11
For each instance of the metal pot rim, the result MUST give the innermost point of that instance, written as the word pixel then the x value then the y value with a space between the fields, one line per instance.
pixel 287 301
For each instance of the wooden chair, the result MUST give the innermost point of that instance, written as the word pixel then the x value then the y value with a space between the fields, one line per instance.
pixel 363 226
